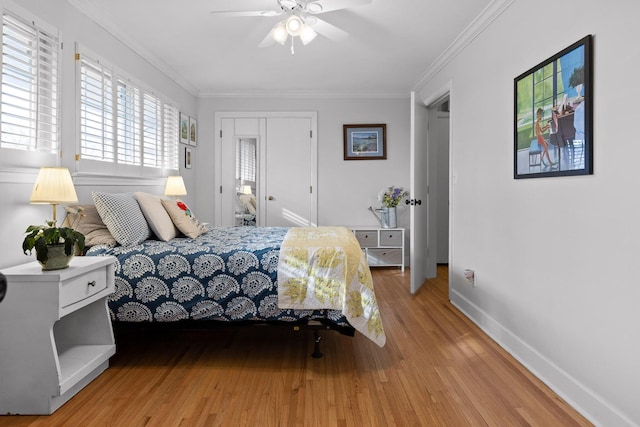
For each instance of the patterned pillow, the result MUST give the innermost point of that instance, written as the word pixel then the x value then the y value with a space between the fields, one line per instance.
pixel 86 220
pixel 183 218
pixel 122 215
pixel 157 217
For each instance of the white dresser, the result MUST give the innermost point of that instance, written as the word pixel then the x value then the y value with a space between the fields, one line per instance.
pixel 55 333
pixel 384 247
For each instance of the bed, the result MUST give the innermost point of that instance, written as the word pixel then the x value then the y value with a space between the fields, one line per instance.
pixel 295 276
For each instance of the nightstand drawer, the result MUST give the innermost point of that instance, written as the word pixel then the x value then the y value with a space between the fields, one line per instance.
pixel 390 237
pixel 379 257
pixel 367 238
pixel 83 286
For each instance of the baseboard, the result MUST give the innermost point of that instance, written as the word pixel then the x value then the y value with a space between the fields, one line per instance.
pixel 581 398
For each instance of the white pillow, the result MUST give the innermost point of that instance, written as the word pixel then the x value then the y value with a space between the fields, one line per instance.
pixel 156 215
pixel 122 215
pixel 183 218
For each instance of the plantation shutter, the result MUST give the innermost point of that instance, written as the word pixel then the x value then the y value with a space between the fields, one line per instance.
pixel 96 112
pixel 171 137
pixel 30 111
pixel 151 131
pixel 128 124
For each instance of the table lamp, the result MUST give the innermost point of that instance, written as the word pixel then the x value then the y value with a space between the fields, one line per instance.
pixel 175 186
pixel 53 186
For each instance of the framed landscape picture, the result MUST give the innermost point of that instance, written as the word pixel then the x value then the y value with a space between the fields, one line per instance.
pixel 193 131
pixel 553 115
pixel 184 128
pixel 365 142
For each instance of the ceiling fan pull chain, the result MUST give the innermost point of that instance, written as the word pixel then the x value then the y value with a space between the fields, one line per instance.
pixel 292 51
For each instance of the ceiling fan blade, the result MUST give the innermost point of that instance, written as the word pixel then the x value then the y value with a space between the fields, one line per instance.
pixel 330 31
pixel 331 5
pixel 266 13
pixel 268 41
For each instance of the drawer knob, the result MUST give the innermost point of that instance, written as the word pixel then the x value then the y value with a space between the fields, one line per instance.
pixel 92 283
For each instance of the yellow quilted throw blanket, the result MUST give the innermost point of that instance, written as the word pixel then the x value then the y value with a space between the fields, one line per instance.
pixel 324 268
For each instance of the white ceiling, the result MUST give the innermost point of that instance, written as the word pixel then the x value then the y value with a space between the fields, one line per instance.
pixel 391 44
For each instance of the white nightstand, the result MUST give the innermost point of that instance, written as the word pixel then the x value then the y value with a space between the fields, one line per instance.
pixel 55 333
pixel 384 247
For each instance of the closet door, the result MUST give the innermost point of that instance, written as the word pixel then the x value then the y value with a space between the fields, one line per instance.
pixel 285 187
pixel 290 169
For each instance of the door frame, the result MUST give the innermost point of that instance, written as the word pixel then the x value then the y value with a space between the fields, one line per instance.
pixel 218 180
pixel 428 266
pixel 431 102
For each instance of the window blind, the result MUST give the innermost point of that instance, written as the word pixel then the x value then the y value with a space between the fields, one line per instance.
pixel 151 131
pixel 96 112
pixel 29 98
pixel 171 137
pixel 128 124
pixel 246 160
pixel 122 123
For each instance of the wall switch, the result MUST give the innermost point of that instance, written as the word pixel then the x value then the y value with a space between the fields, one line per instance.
pixel 470 275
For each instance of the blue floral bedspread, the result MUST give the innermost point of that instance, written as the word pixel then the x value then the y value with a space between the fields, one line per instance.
pixel 227 274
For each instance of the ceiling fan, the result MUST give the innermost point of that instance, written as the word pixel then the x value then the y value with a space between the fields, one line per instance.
pixel 300 19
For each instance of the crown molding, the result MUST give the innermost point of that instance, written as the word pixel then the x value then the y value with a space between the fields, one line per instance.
pixel 87 8
pixel 473 30
pixel 294 94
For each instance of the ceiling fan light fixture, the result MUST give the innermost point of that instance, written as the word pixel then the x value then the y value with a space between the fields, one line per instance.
pixel 279 33
pixel 307 35
pixel 294 25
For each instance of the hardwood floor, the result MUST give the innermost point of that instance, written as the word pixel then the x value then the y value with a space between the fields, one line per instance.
pixel 437 369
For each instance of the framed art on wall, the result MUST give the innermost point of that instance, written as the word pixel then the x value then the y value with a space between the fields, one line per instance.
pixel 193 131
pixel 553 115
pixel 187 158
pixel 365 142
pixel 184 128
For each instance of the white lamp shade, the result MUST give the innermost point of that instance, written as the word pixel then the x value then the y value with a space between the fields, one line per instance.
pixel 53 185
pixel 307 34
pixel 175 186
pixel 279 33
pixel 246 189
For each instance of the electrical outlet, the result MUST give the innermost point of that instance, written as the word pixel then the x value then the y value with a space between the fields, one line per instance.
pixel 470 275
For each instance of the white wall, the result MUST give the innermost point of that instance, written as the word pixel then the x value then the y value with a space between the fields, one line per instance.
pixel 345 188
pixel 555 258
pixel 16 183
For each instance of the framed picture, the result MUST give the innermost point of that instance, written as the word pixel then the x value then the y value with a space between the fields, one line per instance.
pixel 553 115
pixel 365 142
pixel 193 131
pixel 184 128
pixel 187 158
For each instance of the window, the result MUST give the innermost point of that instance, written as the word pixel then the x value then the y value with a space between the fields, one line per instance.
pixel 96 113
pixel 123 125
pixel 170 137
pixel 29 100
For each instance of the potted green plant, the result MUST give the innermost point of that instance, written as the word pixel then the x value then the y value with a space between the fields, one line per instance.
pixel 55 246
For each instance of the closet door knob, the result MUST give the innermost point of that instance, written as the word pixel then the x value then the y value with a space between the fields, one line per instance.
pixel 270 198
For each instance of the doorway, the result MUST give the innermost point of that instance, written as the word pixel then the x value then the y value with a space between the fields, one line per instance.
pixel 430 186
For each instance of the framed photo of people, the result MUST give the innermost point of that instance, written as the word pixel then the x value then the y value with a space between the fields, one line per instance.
pixel 553 115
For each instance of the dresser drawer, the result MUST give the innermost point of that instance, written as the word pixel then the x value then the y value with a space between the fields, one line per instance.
pixel 83 286
pixel 390 237
pixel 379 257
pixel 367 238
